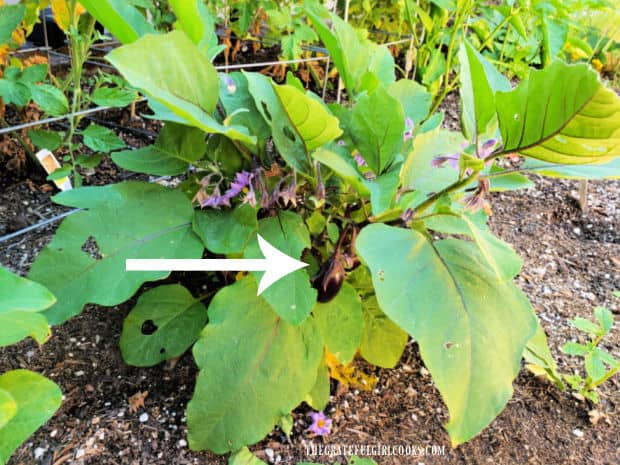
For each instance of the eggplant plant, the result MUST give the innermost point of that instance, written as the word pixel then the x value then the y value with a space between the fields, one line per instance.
pixel 388 210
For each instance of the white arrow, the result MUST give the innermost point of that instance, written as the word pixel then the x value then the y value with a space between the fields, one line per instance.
pixel 276 264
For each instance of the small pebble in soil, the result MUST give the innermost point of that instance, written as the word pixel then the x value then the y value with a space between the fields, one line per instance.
pixel 577 432
pixel 182 443
pixel 144 417
pixel 39 452
pixel 269 453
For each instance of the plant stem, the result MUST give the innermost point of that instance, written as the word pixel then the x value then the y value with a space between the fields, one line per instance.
pixel 452 188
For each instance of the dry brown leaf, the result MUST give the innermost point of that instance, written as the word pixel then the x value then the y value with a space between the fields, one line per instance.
pixel 137 400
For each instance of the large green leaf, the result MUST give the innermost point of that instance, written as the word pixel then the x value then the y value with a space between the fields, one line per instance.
pixel 342 163
pixel 254 368
pixel 190 85
pixel 418 172
pixel 20 302
pixel 377 128
pixel 194 19
pixel 609 170
pixel 226 231
pixel 500 257
pixel 472 338
pixel 10 17
pixel 236 99
pixel 340 323
pixel 353 56
pixel 20 294
pixel 318 397
pixel 37 399
pixel 165 322
pixel 286 139
pixel 561 114
pixel 85 262
pixel 479 82
pixel 8 407
pixel 414 98
pixel 203 121
pixel 292 297
pixel 244 457
pixel 175 148
pixel 185 93
pixel 120 18
pixel 310 118
pixel 383 341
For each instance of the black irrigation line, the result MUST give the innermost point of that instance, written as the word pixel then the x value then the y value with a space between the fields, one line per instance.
pixel 41 224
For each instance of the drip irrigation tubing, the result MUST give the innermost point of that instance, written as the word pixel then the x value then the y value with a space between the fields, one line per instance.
pixel 41 224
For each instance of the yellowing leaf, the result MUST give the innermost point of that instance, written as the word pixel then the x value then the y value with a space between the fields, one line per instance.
pixel 349 375
pixel 62 15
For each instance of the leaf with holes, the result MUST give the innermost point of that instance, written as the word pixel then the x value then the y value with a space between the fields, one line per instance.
pixel 254 368
pixel 85 262
pixel 165 322
pixel 561 114
pixel 292 297
pixel 472 338
pixel 37 399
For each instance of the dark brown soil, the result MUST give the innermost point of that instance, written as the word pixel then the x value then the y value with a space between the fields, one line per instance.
pixel 571 265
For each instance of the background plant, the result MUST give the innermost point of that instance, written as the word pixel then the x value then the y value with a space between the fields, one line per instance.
pixel 599 365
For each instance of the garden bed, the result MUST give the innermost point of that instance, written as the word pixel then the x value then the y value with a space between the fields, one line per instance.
pixel 572 262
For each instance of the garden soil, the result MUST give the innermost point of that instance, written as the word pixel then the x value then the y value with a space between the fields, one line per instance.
pixel 120 415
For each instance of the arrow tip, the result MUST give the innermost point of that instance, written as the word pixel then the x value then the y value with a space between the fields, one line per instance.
pixel 278 266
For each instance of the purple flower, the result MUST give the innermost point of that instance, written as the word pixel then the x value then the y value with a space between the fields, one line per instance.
pixel 241 181
pixel 408 134
pixel 320 424
pixel 341 143
pixel 216 199
pixel 452 160
pixel 478 200
pixel 359 159
pixel 230 84
pixel 487 148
